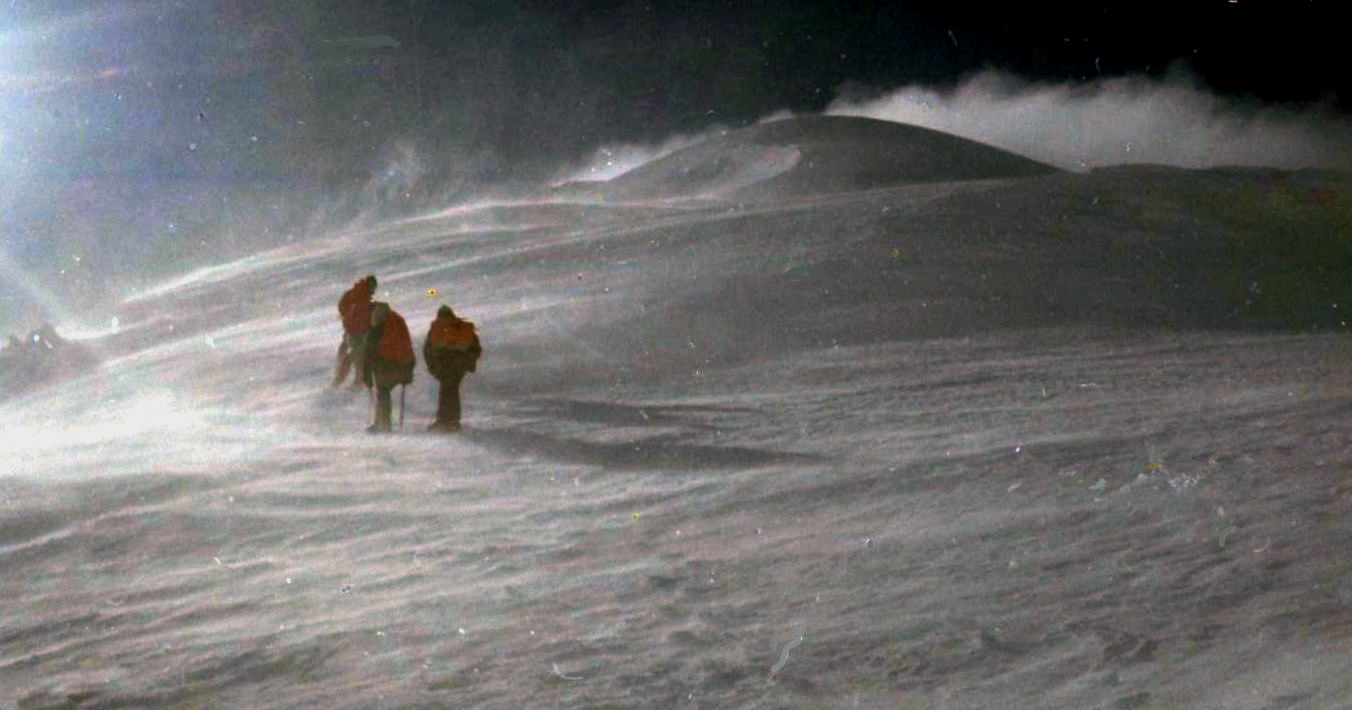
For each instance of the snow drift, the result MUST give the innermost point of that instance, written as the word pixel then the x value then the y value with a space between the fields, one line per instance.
pixel 811 155
pixel 1019 439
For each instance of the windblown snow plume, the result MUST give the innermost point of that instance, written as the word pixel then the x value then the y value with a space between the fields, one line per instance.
pixel 400 173
pixel 1173 121
pixel 610 161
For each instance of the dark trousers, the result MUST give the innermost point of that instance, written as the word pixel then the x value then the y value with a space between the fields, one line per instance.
pixel 384 408
pixel 448 399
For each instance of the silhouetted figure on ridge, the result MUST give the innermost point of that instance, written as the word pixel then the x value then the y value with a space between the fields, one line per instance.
pixel 45 337
pixel 14 361
pixel 41 357
pixel 451 351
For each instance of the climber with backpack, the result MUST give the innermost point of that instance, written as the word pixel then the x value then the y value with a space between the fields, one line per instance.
pixel 387 362
pixel 451 351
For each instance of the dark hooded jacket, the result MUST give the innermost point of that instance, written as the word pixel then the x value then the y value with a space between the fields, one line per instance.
pixel 452 346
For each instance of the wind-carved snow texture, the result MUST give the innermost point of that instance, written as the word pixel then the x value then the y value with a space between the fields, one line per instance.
pixel 880 415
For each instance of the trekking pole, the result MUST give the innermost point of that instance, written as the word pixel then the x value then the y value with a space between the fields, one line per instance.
pixel 371 397
pixel 402 390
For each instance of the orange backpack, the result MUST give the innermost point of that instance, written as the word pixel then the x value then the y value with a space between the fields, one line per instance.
pixel 451 334
pixel 395 344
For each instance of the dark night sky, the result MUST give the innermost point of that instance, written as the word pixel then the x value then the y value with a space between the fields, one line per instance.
pixel 513 85
pixel 588 72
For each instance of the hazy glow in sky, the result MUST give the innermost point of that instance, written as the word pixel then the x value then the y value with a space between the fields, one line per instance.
pixel 19 284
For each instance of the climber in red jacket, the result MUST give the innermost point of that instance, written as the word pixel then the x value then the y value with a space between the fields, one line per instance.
pixel 388 361
pixel 355 310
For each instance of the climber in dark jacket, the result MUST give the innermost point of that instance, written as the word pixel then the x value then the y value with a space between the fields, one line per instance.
pixel 451 351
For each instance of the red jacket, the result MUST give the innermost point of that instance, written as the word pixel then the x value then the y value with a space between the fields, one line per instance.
pixel 395 344
pixel 355 308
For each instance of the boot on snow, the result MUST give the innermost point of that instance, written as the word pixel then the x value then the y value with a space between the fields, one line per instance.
pixel 442 426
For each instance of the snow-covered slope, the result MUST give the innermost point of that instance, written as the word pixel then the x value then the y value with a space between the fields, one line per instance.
pixel 810 155
pixel 1035 442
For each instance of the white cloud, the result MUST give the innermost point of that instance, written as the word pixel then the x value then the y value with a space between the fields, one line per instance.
pixel 1171 121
